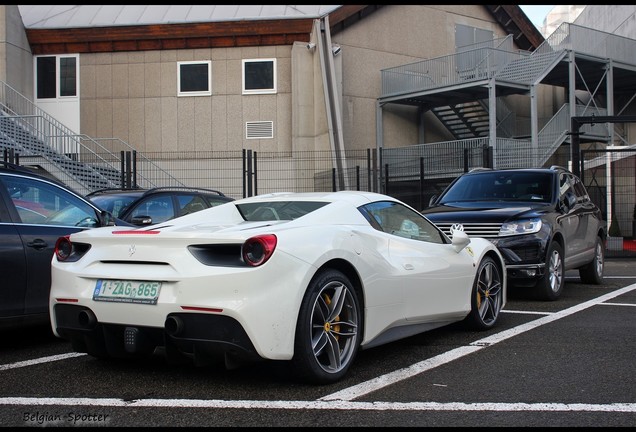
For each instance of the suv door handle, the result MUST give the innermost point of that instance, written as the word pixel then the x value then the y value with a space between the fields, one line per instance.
pixel 38 244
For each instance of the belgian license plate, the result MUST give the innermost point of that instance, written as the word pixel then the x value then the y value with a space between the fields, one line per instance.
pixel 127 291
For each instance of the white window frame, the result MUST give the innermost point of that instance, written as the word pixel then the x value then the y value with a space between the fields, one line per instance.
pixel 271 90
pixel 207 92
pixel 57 76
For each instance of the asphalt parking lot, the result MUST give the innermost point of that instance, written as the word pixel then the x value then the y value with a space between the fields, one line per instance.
pixel 564 363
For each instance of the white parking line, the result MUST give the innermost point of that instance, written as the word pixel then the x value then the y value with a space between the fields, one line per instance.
pixel 39 360
pixel 319 405
pixel 402 374
pixel 344 397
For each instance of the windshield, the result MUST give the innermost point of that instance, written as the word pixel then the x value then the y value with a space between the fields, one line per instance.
pixel 498 186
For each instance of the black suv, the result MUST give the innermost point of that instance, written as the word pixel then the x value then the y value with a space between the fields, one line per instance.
pixel 35 210
pixel 151 206
pixel 542 221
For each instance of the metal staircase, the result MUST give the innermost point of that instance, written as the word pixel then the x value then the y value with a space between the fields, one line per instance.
pixel 17 134
pixel 78 160
pixel 457 89
pixel 464 120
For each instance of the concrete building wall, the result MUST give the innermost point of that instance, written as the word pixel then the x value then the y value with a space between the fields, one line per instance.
pixel 390 37
pixel 16 61
pixel 133 96
pixel 617 19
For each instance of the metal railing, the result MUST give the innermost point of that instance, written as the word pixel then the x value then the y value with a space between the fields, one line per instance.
pixel 78 159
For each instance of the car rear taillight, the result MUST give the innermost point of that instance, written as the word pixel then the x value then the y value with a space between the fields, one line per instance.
pixel 67 251
pixel 257 250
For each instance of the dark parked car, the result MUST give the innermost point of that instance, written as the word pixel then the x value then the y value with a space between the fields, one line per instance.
pixel 542 221
pixel 34 212
pixel 151 206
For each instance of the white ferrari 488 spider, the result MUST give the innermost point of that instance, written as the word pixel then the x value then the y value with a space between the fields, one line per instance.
pixel 308 278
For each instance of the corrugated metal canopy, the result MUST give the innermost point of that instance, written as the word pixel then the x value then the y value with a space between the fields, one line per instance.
pixel 72 16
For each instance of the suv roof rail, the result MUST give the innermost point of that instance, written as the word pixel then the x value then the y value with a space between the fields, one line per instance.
pixel 559 167
pixel 480 169
pixel 108 189
pixel 184 188
pixel 155 189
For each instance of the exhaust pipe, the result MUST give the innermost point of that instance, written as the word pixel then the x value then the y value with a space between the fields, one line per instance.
pixel 174 325
pixel 86 319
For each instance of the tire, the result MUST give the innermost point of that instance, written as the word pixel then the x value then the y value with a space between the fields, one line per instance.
pixel 592 273
pixel 329 330
pixel 487 296
pixel 550 286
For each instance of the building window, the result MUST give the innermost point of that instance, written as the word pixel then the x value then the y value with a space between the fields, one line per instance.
pixel 259 76
pixel 194 78
pixel 56 77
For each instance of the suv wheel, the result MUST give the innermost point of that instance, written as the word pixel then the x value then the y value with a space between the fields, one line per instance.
pixel 550 286
pixel 592 273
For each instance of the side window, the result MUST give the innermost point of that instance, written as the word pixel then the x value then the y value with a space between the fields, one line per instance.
pixel 159 208
pixel 580 190
pixel 42 203
pixel 194 78
pixel 56 76
pixel 565 185
pixel 399 220
pixel 259 76
pixel 190 204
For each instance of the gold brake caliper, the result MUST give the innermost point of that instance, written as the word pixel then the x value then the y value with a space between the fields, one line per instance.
pixel 327 326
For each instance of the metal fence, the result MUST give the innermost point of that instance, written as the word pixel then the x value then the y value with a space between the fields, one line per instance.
pixel 610 178
pixel 413 175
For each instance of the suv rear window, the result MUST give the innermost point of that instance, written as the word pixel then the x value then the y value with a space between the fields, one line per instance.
pixel 513 186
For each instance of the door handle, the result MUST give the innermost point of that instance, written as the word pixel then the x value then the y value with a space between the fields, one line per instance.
pixel 38 244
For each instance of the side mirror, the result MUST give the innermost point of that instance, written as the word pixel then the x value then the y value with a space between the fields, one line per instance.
pixel 432 200
pixel 568 201
pixel 141 220
pixel 459 240
pixel 106 218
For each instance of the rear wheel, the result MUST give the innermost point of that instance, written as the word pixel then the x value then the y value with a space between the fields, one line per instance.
pixel 592 273
pixel 487 296
pixel 550 286
pixel 329 329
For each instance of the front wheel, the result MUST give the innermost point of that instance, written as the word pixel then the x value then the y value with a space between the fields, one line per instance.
pixel 329 329
pixel 592 273
pixel 550 286
pixel 487 296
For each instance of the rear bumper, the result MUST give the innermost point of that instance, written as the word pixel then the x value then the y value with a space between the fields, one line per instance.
pixel 203 338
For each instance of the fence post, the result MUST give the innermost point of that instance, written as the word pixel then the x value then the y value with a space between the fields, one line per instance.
pixel 249 173
pixel 465 160
pixel 386 179
pixel 128 171
pixel 333 180
pixel 369 171
pixel 122 169
pixel 421 182
pixel 134 169
pixel 255 175
pixel 244 171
